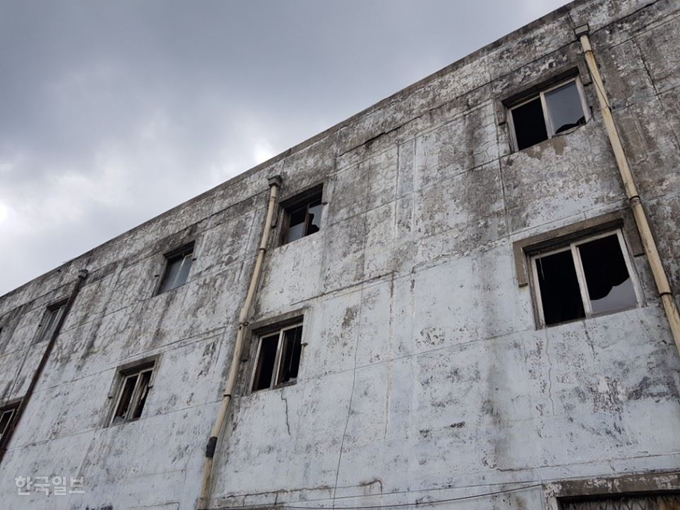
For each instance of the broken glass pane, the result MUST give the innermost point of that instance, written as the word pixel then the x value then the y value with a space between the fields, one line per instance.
pixel 529 124
pixel 314 217
pixel 560 292
pixel 610 287
pixel 297 224
pixel 564 107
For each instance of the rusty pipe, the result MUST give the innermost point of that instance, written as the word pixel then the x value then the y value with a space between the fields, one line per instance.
pixel 206 480
pixel 648 243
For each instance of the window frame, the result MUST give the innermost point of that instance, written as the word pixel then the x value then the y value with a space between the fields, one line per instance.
pixel 14 407
pixel 572 247
pixel 123 375
pixel 296 202
pixel 50 319
pixel 550 130
pixel 184 252
pixel 269 332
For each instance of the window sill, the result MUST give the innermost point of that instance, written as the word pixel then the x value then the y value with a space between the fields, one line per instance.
pixel 590 317
pixel 277 387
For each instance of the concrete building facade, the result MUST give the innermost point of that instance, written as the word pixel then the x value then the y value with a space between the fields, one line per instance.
pixel 429 327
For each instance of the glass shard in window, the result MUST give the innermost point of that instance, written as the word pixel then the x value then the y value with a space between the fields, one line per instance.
pixel 610 286
pixel 564 107
pixel 302 215
pixel 297 224
pixel 560 292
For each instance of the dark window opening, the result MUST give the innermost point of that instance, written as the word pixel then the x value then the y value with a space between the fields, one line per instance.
pixel 266 362
pixel 610 287
pixel 529 124
pixel 6 417
pixel 560 292
pixel 278 358
pixel 132 394
pixel 303 216
pixel 585 279
pixel 552 112
pixel 177 269
pixel 625 502
pixel 290 354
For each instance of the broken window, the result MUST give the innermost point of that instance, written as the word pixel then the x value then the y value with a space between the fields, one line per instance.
pixel 586 278
pixel 50 321
pixel 7 415
pixel 302 215
pixel 177 268
pixel 133 390
pixel 278 357
pixel 625 502
pixel 551 112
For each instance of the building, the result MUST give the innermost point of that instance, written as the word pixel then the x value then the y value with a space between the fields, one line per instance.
pixel 458 306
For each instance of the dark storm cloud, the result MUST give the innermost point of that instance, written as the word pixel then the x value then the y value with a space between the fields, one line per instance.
pixel 113 112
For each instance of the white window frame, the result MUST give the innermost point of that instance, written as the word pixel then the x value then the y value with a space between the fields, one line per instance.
pixel 546 115
pixel 273 383
pixel 123 377
pixel 581 277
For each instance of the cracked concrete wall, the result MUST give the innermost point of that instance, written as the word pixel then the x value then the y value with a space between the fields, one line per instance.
pixel 424 377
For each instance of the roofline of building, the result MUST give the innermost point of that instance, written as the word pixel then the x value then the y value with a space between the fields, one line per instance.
pixel 560 11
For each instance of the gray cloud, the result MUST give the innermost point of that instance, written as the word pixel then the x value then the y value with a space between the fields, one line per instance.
pixel 113 112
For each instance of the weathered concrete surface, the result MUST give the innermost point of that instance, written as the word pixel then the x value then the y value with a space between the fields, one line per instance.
pixel 424 379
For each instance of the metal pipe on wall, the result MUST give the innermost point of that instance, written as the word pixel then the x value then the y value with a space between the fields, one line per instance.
pixel 7 436
pixel 206 481
pixel 648 243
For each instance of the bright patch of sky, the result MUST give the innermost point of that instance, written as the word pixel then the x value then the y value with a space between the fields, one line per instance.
pixel 113 112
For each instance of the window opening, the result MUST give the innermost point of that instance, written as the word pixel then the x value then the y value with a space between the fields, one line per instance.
pixel 132 394
pixel 6 417
pixel 303 217
pixel 50 321
pixel 586 278
pixel 177 269
pixel 626 502
pixel 552 112
pixel 278 358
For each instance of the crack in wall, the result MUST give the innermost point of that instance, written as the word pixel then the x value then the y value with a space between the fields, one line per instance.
pixel 285 400
pixel 550 367
pixel 351 398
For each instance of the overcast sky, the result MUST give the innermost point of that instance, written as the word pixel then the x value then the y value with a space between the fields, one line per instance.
pixel 113 112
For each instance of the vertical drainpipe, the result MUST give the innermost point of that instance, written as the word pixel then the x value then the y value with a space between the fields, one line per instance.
pixel 651 250
pixel 206 481
pixel 82 275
